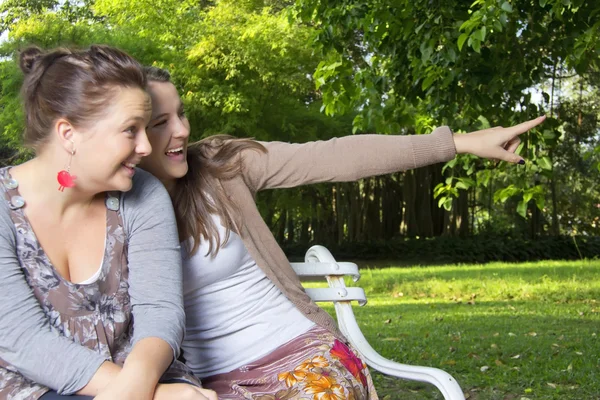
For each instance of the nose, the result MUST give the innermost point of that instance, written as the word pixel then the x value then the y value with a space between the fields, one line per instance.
pixel 182 129
pixel 142 145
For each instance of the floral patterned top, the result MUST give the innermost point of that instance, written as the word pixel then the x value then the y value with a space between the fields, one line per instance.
pixel 97 316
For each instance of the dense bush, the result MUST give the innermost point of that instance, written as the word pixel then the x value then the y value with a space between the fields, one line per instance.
pixel 477 249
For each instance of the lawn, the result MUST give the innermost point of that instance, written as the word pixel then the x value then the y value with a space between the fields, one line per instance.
pixel 504 331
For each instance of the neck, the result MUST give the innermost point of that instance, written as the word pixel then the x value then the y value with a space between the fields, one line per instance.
pixel 38 183
pixel 169 184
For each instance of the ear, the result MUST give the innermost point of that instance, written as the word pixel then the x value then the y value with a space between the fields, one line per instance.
pixel 66 134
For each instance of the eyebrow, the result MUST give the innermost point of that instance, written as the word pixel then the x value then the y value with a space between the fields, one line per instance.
pixel 137 118
pixel 165 114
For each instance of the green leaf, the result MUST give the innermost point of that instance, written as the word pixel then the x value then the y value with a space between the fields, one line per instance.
pixel 507 7
pixel 522 209
pixel 544 163
pixel 484 123
pixel 479 34
pixel 543 3
pixel 428 82
pixel 465 183
pixel 504 194
pixel 448 204
pixel 450 164
pixel 461 40
pixel 476 45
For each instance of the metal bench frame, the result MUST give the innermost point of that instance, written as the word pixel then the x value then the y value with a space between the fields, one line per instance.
pixel 320 263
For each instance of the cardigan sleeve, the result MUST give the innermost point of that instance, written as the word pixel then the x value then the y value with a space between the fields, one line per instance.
pixel 343 159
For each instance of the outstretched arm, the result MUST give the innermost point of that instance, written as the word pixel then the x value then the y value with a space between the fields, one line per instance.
pixel 351 158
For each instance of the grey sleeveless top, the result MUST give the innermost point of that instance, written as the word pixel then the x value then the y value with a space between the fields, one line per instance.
pixel 96 315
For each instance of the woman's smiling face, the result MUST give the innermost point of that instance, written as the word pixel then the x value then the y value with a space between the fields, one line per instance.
pixel 168 133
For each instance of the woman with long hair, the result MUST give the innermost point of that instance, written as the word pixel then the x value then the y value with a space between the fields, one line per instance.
pixel 251 330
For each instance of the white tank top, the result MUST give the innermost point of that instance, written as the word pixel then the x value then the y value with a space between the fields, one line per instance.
pixel 234 313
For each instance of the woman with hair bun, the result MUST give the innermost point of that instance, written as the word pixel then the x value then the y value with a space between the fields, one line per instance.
pixel 90 272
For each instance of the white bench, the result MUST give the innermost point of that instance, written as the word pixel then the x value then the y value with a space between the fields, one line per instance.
pixel 320 263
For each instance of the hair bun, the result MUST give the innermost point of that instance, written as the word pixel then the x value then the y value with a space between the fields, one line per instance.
pixel 28 57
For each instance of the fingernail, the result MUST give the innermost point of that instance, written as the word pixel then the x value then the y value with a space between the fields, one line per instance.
pixel 522 162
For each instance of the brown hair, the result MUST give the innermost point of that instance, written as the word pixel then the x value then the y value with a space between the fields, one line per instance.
pixel 198 194
pixel 76 85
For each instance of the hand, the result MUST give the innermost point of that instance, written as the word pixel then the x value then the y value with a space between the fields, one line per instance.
pixel 495 143
pixel 182 391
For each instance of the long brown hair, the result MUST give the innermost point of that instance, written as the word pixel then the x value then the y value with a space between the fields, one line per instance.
pixel 199 194
pixel 74 84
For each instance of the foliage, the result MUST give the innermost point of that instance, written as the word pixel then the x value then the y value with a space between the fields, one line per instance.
pixel 312 70
pixel 481 249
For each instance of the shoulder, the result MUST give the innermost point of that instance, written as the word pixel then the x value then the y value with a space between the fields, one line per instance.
pixel 146 187
pixel 147 195
pixel 7 228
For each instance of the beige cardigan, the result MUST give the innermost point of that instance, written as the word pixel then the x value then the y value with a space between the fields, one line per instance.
pixel 337 160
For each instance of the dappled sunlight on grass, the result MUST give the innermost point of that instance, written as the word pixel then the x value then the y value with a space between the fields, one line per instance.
pixel 505 331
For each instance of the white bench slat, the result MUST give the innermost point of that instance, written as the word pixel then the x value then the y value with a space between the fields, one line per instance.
pixel 316 269
pixel 320 295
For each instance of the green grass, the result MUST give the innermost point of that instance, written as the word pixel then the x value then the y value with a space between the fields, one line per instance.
pixel 535 327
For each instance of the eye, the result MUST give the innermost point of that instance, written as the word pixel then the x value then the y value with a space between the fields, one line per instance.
pixel 131 130
pixel 160 123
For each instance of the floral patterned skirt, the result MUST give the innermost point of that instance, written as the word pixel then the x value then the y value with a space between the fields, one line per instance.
pixel 314 366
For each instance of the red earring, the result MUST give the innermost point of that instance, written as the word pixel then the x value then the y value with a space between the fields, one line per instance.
pixel 64 178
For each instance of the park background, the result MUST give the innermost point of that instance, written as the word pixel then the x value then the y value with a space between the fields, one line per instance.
pixel 430 241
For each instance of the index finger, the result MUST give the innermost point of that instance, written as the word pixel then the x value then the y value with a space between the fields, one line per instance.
pixel 525 126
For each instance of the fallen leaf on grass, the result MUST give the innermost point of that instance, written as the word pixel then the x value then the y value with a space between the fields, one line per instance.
pixel 388 321
pixel 496 334
pixel 579 353
pixel 569 368
pixel 532 334
pixel 516 356
pixel 555 345
pixel 552 385
pixel 511 334
pixel 484 368
pixel 450 362
pixel 499 363
pixel 494 346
